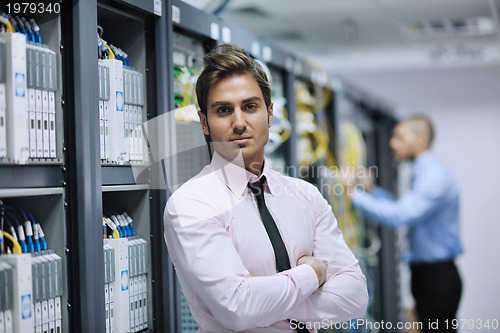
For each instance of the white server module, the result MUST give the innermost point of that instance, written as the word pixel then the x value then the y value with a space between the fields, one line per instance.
pixel 120 286
pixel 117 143
pixel 22 314
pixel 16 98
pixel 3 102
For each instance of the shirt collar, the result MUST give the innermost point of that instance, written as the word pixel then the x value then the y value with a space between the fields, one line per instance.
pixel 235 176
pixel 423 158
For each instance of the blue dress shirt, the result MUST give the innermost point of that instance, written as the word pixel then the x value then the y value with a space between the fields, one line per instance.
pixel 430 208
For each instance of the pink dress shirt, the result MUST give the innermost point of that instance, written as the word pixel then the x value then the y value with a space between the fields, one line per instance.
pixel 225 262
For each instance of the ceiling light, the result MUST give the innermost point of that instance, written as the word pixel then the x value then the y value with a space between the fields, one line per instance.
pixel 469 26
pixel 461 53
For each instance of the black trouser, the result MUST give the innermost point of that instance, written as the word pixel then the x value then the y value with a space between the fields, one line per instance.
pixel 437 289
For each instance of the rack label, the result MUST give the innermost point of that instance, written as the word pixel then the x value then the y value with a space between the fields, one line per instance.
pixel 26 306
pixel 176 14
pixel 157 7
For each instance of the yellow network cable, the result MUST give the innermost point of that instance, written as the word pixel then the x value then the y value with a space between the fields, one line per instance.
pixel 327 96
pixel 313 140
pixel 348 223
pixel 8 25
pixel 111 53
pixel 353 154
pixel 353 146
pixel 345 216
pixel 322 139
pixel 16 248
pixel 315 146
pixel 110 224
pixel 287 130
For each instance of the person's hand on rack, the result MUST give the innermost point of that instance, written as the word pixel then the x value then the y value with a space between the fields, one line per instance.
pixel 364 178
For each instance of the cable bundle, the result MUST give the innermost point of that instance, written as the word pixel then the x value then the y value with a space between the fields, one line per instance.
pixel 23 237
pixel 22 25
pixel 116 225
pixel 109 51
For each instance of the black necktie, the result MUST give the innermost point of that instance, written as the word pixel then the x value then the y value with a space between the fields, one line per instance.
pixel 280 253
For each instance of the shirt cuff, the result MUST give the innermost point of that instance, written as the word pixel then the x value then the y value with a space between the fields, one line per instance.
pixel 306 282
pixel 305 278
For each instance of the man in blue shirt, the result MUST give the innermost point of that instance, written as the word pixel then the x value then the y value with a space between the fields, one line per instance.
pixel 430 208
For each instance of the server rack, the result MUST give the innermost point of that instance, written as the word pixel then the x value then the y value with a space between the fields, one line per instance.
pixel 313 97
pixel 33 183
pixel 380 253
pixel 97 184
pixel 390 253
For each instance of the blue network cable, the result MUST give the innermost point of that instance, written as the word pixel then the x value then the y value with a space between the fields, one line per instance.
pixel 28 230
pixel 123 220
pixel 20 232
pixel 112 215
pixel 36 31
pixel 121 55
pixel 2 246
pixel 126 222
pixel 32 242
pixel 123 224
pixel 12 230
pixel 39 232
pixel 31 35
pixel 35 237
pixel 130 223
pixel 22 28
pixel 38 236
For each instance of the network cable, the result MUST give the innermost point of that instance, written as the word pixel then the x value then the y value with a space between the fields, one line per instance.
pixel 39 236
pixel 28 230
pixel 13 23
pixel 117 218
pixel 123 221
pixel 111 54
pixel 36 31
pixel 2 219
pixel 2 244
pixel 121 226
pixel 5 21
pixel 120 55
pixel 19 231
pixel 130 223
pixel 110 224
pixel 353 145
pixel 35 238
pixel 117 226
pixel 16 247
pixel 31 35
pixel 22 28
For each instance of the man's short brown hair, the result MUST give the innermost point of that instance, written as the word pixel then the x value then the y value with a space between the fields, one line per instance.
pixel 224 61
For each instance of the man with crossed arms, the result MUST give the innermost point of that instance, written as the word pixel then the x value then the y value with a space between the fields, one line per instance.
pixel 227 242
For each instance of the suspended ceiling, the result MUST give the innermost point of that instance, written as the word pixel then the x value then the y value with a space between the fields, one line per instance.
pixel 364 39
